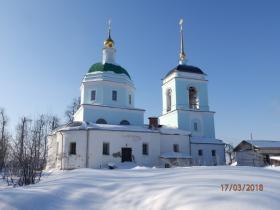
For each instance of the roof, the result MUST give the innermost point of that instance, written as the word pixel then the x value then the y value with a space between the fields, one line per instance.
pixel 264 143
pixel 99 67
pixel 186 68
pixel 274 158
pixel 259 144
pixel 173 131
pixel 81 125
pixel 203 140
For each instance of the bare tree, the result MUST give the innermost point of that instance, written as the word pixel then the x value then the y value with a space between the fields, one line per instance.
pixel 230 155
pixel 4 138
pixel 71 109
pixel 29 150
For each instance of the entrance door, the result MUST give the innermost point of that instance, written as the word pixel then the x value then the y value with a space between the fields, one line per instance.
pixel 126 154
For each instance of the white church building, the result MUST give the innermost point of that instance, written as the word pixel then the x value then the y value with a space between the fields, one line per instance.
pixel 108 129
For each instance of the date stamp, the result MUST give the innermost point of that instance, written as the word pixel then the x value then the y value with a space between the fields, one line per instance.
pixel 242 187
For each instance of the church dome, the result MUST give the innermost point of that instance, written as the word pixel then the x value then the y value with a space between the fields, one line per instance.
pixel 186 68
pixel 99 67
pixel 109 42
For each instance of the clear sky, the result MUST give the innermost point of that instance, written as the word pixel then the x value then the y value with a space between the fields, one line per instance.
pixel 46 47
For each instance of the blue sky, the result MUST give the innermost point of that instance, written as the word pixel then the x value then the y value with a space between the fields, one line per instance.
pixel 46 47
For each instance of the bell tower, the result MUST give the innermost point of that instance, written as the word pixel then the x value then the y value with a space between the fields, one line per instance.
pixel 185 98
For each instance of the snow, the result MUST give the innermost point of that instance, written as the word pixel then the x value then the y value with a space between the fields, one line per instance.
pixel 146 188
pixel 200 140
pixel 170 130
pixel 88 125
pixel 275 158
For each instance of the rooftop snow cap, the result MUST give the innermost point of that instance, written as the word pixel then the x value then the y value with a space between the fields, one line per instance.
pixel 108 67
pixel 186 68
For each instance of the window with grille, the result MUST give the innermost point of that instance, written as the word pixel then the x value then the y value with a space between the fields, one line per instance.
pixel 114 95
pixel 93 95
pixel 175 148
pixel 145 149
pixel 106 149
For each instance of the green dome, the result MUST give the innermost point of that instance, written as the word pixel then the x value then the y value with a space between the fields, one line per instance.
pixel 108 67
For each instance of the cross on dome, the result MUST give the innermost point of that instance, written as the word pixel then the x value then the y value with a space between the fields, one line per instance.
pixel 109 42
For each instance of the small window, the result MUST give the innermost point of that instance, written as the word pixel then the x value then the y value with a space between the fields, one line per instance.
pixel 200 152
pixel 213 153
pixel 106 149
pixel 129 99
pixel 101 121
pixel 145 149
pixel 93 95
pixel 175 148
pixel 72 148
pixel 195 126
pixel 114 95
pixel 124 122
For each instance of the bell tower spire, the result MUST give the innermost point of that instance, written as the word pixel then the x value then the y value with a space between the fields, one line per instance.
pixel 182 55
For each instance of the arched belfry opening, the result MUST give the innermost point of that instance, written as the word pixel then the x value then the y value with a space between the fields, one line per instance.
pixel 193 98
pixel 168 100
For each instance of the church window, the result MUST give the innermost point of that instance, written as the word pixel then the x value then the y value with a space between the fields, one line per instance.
pixel 145 149
pixel 124 122
pixel 195 126
pixel 193 98
pixel 175 148
pixel 200 152
pixel 93 95
pixel 114 95
pixel 168 100
pixel 106 149
pixel 129 99
pixel 213 153
pixel 72 148
pixel 101 121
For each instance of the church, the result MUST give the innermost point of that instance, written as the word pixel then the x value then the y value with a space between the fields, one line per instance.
pixel 108 130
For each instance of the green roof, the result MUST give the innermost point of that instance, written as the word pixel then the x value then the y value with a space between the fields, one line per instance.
pixel 108 67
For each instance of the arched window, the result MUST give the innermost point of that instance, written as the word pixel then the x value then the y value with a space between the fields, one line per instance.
pixel 101 121
pixel 124 122
pixel 168 100
pixel 193 98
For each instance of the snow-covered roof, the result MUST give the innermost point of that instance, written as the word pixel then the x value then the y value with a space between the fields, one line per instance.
pixel 174 131
pixel 87 125
pixel 201 140
pixel 175 155
pixel 275 158
pixel 264 143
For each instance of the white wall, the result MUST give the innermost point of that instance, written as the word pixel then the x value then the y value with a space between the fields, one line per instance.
pixel 157 143
pixel 207 158
pixel 114 116
pixel 167 142
pixel 117 140
pixel 64 140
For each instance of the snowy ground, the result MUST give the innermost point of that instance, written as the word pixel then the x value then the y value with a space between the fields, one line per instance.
pixel 141 188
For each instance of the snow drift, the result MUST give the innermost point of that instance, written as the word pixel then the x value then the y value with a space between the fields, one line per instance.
pixel 148 188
